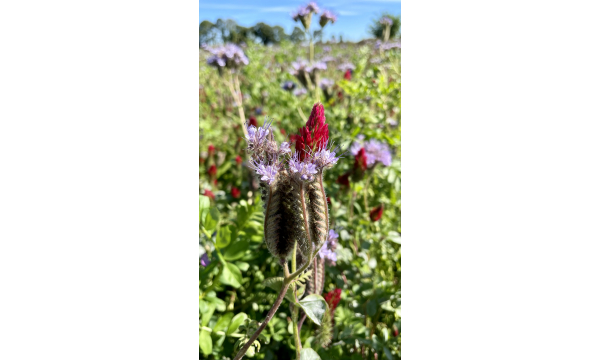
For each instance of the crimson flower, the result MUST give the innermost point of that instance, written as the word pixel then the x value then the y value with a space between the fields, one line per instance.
pixel 212 170
pixel 211 149
pixel 235 192
pixel 252 121
pixel 348 75
pixel 238 159
pixel 344 180
pixel 314 135
pixel 360 160
pixel 333 299
pixel 209 194
pixel 396 332
pixel 376 213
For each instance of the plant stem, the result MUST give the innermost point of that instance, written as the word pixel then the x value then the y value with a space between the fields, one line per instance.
pixel 262 326
pixel 295 308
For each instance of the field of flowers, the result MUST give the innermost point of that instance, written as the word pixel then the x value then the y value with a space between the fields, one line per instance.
pixel 299 182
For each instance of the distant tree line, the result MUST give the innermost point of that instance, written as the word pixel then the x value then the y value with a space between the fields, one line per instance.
pixel 229 31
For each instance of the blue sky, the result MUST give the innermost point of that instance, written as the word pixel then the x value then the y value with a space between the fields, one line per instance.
pixel 354 16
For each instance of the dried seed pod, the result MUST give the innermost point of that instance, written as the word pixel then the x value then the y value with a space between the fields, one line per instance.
pixel 319 212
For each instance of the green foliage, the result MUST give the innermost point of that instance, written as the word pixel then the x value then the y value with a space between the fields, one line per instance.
pixel 243 278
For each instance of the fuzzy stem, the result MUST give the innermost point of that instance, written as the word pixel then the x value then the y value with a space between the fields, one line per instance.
pixel 295 308
pixel 305 215
pixel 262 326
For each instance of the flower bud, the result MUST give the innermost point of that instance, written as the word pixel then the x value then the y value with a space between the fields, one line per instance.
pixel 376 213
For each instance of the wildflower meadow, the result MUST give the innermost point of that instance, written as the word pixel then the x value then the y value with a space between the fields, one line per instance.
pixel 300 191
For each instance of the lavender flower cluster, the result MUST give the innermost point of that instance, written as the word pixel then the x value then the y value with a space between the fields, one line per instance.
pixel 326 83
pixel 270 160
pixel 229 55
pixel 327 252
pixel 374 150
pixel 327 16
pixel 304 14
pixel 388 45
pixel 386 21
pixel 346 66
pixel 303 70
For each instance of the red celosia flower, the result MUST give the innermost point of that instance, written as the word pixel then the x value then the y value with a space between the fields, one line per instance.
pixel 360 160
pixel 238 159
pixel 333 298
pixel 209 194
pixel 282 132
pixel 252 121
pixel 376 213
pixel 212 170
pixel 215 182
pixel 315 134
pixel 348 75
pixel 344 180
pixel 211 150
pixel 328 200
pixel 235 192
pixel 396 332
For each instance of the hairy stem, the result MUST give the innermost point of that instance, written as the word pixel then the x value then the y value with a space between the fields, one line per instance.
pixel 262 326
pixel 295 309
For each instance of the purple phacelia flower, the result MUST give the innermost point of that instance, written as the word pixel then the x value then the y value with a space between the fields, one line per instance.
pixel 303 170
pixel 288 86
pixel 388 45
pixel 327 16
pixel 326 49
pixel 327 252
pixel 299 92
pixel 304 14
pixel 324 159
pixel 268 173
pixel 346 66
pixel 319 65
pixel 386 21
pixel 375 151
pixel 284 148
pixel 327 59
pixel 228 55
pixel 257 136
pixel 326 83
pixel 204 260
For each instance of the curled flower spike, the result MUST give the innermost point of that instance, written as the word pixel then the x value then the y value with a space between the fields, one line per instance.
pixel 386 21
pixel 284 148
pixel 327 16
pixel 302 170
pixel 268 173
pixel 257 136
pixel 324 158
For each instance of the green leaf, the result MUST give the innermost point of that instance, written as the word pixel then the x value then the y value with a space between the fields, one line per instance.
pixel 372 307
pixel 314 306
pixel 244 266
pixel 394 236
pixel 223 237
pixel 219 304
pixel 276 283
pixel 206 315
pixel 223 322
pixel 236 250
pixel 205 342
pixel 388 353
pixel 231 275
pixel 309 354
pixel 212 219
pixel 235 323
